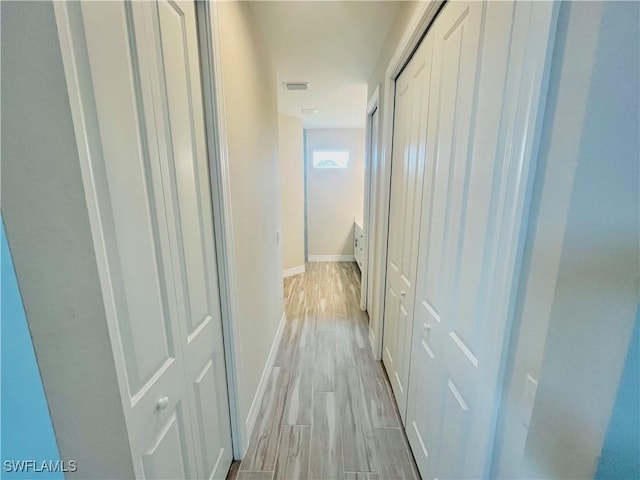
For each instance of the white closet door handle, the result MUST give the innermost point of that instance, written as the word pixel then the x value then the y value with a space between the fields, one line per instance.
pixel 403 294
pixel 162 403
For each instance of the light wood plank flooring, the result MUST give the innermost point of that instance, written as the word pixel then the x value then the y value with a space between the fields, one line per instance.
pixel 328 411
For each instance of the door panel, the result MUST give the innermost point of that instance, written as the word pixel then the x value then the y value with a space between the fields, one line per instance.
pixel 412 90
pixel 157 218
pixel 165 458
pixel 137 218
pixel 134 223
pixel 184 154
pixel 210 413
pixel 173 39
pixel 392 303
pixel 453 439
pixel 440 398
pixel 480 111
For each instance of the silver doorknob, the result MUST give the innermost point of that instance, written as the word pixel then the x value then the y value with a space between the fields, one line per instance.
pixel 162 403
pixel 403 294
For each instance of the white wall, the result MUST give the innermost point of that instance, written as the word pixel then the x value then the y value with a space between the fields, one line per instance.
pixel 47 225
pixel 400 21
pixel 334 196
pixel 291 143
pixel 249 83
pixel 579 291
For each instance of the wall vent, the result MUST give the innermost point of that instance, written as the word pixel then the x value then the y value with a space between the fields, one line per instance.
pixel 296 85
pixel 310 111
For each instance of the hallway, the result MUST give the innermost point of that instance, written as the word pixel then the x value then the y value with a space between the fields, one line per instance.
pixel 320 239
pixel 327 411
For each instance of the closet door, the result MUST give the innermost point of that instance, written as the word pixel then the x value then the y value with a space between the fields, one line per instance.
pixel 456 37
pixel 156 220
pixel 412 89
pixel 176 86
pixel 488 63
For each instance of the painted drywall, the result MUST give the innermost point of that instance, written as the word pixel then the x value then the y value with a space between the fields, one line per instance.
pixel 333 45
pixel 27 432
pixel 249 84
pixel 47 226
pixel 334 195
pixel 621 450
pixel 377 80
pixel 579 289
pixel 400 21
pixel 291 146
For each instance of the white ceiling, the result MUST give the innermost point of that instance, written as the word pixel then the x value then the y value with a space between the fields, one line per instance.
pixel 333 45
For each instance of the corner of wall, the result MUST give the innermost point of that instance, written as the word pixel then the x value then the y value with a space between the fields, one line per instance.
pixel 250 101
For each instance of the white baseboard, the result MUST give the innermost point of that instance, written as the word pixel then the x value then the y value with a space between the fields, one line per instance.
pixel 266 373
pixel 372 341
pixel 332 258
pixel 289 272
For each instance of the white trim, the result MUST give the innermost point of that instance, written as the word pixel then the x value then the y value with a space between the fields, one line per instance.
pixel 372 337
pixel 372 104
pixel 215 118
pixel 332 258
pixel 290 272
pixel 264 379
pixel 368 220
pixel 422 17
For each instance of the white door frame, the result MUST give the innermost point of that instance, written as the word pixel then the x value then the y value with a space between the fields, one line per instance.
pixel 85 124
pixel 369 226
pixel 420 21
pixel 216 129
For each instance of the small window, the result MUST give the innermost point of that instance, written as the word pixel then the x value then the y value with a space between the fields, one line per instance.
pixel 330 159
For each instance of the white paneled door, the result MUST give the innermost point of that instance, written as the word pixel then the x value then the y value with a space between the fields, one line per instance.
pixel 412 90
pixel 432 394
pixel 155 212
pixel 467 128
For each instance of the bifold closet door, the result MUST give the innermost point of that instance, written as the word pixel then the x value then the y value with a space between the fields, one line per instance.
pixel 455 35
pixel 156 218
pixel 172 37
pixel 408 157
pixel 487 73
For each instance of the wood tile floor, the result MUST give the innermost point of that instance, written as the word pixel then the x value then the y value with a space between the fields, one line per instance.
pixel 327 412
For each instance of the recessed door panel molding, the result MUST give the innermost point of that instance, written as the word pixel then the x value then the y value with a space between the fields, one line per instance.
pixel 136 213
pixel 172 40
pixel 472 141
pixel 454 440
pixel 155 221
pixel 407 164
pixel 165 456
pixel 210 412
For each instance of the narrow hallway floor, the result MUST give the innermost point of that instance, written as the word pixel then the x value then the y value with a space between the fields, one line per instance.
pixel 327 411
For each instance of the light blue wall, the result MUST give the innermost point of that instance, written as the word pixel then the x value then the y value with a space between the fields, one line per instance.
pixel 621 451
pixel 27 433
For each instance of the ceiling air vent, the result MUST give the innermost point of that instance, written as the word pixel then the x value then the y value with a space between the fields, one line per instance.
pixel 296 85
